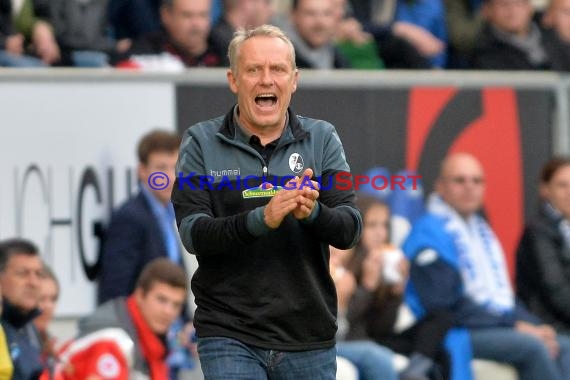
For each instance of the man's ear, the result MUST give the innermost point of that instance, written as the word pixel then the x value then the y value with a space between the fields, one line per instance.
pixel 296 80
pixel 232 81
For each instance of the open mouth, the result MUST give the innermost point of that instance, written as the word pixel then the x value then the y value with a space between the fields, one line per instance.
pixel 266 100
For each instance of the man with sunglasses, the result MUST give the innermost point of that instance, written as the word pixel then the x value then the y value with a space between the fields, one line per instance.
pixel 457 265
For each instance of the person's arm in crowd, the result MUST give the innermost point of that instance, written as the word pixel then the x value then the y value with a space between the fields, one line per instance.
pixel 334 219
pixel 120 256
pixel 42 32
pixel 428 32
pixel 440 287
pixel 46 15
pixel 463 26
pixel 423 40
pixel 45 43
pixel 543 257
pixel 523 314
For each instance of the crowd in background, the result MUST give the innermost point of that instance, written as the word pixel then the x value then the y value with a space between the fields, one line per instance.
pixel 328 34
pixel 440 295
pixel 458 306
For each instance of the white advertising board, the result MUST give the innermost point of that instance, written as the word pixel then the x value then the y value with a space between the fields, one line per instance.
pixel 67 158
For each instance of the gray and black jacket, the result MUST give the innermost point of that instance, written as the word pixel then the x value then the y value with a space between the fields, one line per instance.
pixel 267 288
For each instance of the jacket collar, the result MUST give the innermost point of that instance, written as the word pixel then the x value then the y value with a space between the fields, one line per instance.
pixel 294 131
pixel 15 316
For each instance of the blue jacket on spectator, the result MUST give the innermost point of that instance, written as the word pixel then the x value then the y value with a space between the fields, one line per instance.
pixel 441 267
pixel 429 233
pixel 430 15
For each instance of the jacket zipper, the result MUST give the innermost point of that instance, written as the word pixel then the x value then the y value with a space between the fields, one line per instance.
pixel 240 145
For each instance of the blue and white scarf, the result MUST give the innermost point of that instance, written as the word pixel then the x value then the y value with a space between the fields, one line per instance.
pixel 480 257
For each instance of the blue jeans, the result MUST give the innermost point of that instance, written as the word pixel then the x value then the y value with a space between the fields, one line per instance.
pixel 229 359
pixel 526 353
pixel 372 360
pixel 12 60
pixel 87 58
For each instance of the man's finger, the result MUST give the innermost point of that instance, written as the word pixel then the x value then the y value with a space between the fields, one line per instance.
pixel 308 173
pixel 311 194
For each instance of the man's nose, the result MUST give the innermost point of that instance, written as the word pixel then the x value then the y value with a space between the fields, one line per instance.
pixel 266 77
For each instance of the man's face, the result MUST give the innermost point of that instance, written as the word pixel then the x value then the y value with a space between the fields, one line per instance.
pixel 559 14
pixel 461 184
pixel 164 162
pixel 376 226
pixel 510 16
pixel 557 191
pixel 264 82
pixel 187 22
pixel 21 281
pixel 160 306
pixel 315 21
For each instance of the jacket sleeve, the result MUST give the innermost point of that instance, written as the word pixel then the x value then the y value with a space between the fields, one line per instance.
pixel 121 252
pixel 338 222
pixel 440 287
pixel 542 256
pixel 201 232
